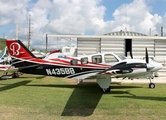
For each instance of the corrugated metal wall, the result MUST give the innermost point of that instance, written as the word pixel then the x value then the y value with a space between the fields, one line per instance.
pixel 160 48
pixel 138 47
pixel 112 45
pixel 156 47
pixel 88 46
pixel 95 45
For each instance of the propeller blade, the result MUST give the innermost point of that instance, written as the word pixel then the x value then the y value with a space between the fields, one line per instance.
pixel 131 55
pixel 146 55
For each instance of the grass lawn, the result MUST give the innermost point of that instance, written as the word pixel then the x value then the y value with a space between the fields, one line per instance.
pixel 34 97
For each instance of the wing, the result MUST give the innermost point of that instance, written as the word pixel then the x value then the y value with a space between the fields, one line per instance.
pixel 120 68
pixel 115 70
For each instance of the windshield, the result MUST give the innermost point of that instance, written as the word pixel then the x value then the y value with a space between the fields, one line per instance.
pixel 122 57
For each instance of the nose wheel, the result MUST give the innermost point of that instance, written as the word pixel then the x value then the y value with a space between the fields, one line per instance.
pixel 152 85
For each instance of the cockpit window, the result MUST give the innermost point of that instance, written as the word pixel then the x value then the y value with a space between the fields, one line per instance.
pixel 151 58
pixel 122 57
pixel 110 58
pixel 96 59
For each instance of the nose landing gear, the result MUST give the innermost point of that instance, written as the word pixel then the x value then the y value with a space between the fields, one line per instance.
pixel 151 85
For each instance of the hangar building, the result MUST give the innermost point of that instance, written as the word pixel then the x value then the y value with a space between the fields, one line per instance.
pixel 122 42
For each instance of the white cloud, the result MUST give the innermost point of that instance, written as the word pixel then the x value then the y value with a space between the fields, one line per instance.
pixel 134 16
pixel 14 10
pixel 4 21
pixel 76 17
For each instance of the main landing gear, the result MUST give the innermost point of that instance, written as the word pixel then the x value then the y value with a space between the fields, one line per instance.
pixel 104 83
pixel 104 90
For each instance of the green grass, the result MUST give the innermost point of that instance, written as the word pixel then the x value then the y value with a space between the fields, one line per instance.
pixel 33 97
pixel 2 43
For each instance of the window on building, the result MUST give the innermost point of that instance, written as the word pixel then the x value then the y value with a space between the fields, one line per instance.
pixel 67 50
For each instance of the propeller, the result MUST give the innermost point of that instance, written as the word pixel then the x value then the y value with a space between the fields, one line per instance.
pixel 146 55
pixel 149 66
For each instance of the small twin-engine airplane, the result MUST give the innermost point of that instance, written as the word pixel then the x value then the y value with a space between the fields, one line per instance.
pixel 102 66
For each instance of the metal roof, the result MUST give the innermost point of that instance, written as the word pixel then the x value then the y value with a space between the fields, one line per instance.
pixel 107 36
pixel 125 33
pixel 112 35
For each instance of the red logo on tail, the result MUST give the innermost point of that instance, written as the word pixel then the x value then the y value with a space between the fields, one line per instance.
pixel 15 48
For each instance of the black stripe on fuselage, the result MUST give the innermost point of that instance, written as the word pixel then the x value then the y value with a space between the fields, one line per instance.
pixel 137 65
pixel 20 63
pixel 26 49
pixel 125 65
pixel 53 70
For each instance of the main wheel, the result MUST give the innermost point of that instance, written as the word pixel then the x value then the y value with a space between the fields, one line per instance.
pixel 104 90
pixel 15 75
pixel 152 85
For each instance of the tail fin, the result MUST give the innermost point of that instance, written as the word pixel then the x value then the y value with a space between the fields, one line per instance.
pixel 17 49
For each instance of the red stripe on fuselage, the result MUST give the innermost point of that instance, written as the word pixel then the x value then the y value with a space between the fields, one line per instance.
pixel 64 62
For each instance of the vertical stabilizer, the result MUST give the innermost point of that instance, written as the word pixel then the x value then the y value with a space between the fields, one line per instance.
pixel 17 49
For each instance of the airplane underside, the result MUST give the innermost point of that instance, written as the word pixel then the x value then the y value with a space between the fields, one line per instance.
pixel 79 73
pixel 103 80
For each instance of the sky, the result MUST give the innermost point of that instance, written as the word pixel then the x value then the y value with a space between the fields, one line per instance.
pixel 86 17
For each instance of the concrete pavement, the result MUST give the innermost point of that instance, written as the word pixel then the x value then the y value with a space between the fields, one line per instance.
pixel 155 80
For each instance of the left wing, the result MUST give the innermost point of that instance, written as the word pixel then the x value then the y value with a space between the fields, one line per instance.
pixel 117 69
pixel 113 71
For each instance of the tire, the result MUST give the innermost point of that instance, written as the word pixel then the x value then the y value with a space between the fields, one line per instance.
pixel 152 85
pixel 105 90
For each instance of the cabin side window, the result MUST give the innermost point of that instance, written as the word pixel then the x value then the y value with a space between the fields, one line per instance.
pixel 96 59
pixel 84 60
pixel 110 58
pixel 74 62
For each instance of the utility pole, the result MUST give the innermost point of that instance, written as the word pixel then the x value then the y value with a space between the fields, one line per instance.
pixel 162 31
pixel 46 43
pixel 29 32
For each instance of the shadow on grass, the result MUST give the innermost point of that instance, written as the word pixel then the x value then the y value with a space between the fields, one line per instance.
pixel 85 97
pixel 144 98
pixel 125 87
pixel 33 76
pixel 14 85
pixel 83 100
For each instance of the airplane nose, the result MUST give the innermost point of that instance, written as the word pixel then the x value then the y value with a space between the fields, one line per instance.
pixel 160 66
pixel 150 66
pixel 157 67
